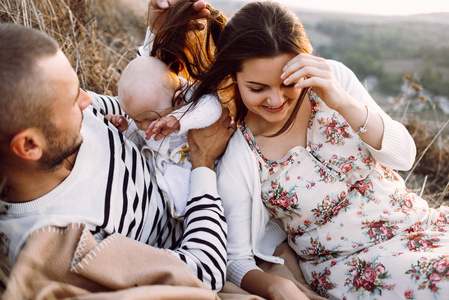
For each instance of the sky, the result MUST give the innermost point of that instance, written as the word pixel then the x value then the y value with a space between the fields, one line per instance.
pixel 378 7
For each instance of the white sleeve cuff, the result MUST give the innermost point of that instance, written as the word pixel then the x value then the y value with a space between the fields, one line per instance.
pixel 398 148
pixel 238 268
pixel 203 181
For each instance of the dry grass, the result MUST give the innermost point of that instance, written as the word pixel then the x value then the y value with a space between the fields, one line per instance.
pixel 98 36
pixel 429 177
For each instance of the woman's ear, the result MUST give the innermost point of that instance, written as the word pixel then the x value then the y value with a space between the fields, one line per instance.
pixel 28 144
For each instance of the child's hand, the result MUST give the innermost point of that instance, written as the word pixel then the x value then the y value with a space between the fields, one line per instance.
pixel 162 127
pixel 118 121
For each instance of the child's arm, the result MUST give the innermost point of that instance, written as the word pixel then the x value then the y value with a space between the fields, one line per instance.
pixel 162 127
pixel 204 114
pixel 118 121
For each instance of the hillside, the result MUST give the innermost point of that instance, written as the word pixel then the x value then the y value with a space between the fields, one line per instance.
pixel 385 47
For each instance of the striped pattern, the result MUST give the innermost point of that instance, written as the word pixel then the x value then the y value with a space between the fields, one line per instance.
pixel 144 216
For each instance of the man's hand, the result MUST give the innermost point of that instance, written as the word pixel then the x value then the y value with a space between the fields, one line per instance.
pixel 162 127
pixel 158 8
pixel 118 121
pixel 207 144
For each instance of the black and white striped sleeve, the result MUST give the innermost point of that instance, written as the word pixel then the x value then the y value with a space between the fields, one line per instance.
pixel 203 246
pixel 106 105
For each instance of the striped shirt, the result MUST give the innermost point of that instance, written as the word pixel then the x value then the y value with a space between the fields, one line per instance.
pixel 111 189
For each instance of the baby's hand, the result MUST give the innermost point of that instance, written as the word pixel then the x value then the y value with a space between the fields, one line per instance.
pixel 118 121
pixel 162 127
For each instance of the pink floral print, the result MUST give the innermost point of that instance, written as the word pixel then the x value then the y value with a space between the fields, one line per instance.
pixel 379 231
pixel 430 273
pixel 367 277
pixel 318 252
pixel 321 283
pixel 334 130
pixel 421 242
pixel 278 198
pixel 357 231
pixel 329 207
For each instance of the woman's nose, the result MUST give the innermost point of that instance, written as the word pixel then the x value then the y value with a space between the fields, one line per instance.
pixel 276 99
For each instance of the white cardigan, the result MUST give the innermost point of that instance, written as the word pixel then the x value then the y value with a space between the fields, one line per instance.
pixel 251 232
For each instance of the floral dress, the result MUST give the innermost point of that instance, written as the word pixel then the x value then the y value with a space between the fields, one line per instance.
pixel 359 233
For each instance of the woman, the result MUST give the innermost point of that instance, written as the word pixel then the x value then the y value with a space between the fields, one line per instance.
pixel 312 161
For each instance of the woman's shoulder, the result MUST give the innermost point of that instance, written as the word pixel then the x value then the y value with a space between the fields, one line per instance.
pixel 237 166
pixel 237 146
pixel 237 155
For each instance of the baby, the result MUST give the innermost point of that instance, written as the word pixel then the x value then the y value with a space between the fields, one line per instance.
pixel 157 100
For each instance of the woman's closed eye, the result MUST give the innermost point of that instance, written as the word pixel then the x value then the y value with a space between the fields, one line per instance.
pixel 256 90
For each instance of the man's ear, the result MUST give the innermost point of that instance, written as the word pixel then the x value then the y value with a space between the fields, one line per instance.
pixel 28 144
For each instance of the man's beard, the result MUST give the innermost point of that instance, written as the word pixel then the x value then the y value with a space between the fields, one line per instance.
pixel 58 149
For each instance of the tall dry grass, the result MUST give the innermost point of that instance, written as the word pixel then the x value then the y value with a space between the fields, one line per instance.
pixel 99 37
pixel 429 176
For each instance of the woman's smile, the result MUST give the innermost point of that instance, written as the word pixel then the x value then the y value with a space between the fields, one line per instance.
pixel 272 109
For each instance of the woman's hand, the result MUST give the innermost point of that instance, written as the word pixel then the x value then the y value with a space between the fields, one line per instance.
pixel 157 9
pixel 271 286
pixel 312 71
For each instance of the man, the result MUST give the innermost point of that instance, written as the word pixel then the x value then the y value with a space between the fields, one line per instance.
pixel 61 162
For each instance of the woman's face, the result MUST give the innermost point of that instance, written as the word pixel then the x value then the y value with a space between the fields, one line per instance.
pixel 268 100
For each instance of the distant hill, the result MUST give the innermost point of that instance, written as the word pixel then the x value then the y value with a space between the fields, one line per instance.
pixel 384 47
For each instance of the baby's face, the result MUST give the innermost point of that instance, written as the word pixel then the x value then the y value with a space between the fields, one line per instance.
pixel 150 105
pixel 150 108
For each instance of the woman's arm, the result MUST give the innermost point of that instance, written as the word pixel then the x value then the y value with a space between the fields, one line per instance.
pixel 242 267
pixel 235 189
pixel 397 149
pixel 271 286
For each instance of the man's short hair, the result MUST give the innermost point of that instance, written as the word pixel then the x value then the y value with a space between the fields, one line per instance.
pixel 24 96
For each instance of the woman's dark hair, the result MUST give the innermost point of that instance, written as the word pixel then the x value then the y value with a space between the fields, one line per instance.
pixel 187 51
pixel 257 30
